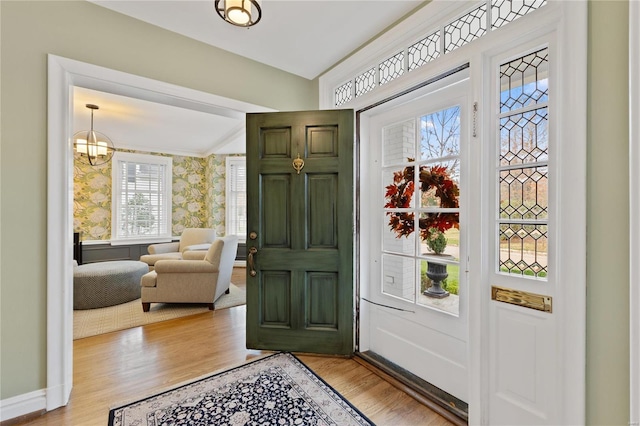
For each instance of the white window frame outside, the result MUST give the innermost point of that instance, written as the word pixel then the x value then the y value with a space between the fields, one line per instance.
pixel 568 22
pixel 230 194
pixel 115 199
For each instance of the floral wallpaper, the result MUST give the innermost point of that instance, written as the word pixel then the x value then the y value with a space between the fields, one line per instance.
pixel 189 190
pixel 198 196
pixel 215 176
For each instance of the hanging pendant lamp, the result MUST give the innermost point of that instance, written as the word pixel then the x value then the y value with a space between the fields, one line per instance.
pixel 241 13
pixel 95 148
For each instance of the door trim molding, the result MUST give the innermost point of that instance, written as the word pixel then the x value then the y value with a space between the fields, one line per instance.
pixel 63 74
pixel 568 22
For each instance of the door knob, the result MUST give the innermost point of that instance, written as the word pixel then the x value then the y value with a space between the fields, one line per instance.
pixel 252 270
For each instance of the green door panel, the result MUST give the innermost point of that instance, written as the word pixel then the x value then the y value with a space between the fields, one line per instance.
pixel 301 297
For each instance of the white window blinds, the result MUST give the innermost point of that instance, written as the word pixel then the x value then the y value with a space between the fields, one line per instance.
pixel 236 196
pixel 141 196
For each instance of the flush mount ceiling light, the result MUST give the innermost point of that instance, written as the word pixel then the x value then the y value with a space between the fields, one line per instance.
pixel 241 13
pixel 95 148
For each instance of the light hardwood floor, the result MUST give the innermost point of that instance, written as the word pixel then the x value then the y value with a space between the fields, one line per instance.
pixel 127 365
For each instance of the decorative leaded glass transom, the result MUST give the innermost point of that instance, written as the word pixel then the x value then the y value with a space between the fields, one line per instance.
pixel 344 93
pixel 523 173
pixel 505 11
pixel 465 29
pixel 424 51
pixel 392 68
pixel 365 82
pixel 457 33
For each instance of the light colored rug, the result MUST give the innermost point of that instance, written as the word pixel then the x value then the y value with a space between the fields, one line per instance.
pixel 276 390
pixel 91 322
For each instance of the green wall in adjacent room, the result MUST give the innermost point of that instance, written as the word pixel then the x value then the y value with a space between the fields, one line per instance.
pixel 82 31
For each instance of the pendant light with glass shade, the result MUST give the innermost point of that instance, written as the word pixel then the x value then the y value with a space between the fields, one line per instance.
pixel 241 13
pixel 95 148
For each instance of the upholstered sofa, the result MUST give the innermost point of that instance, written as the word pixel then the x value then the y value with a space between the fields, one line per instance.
pixel 191 281
pixel 193 245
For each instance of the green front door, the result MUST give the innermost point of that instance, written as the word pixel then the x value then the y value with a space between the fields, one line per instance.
pixel 300 231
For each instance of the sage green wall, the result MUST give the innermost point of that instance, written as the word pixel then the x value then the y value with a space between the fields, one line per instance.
pixel 608 215
pixel 80 30
pixel 65 29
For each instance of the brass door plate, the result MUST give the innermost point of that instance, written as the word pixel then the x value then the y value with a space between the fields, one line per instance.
pixel 525 299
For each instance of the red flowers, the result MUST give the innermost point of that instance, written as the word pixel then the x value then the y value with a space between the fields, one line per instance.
pixel 434 179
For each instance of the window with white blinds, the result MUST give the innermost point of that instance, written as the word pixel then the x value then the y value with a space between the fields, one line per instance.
pixel 236 197
pixel 141 197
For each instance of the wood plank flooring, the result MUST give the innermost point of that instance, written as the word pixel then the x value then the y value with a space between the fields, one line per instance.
pixel 123 366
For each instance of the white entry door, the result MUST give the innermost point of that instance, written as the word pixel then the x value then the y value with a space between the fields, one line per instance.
pixel 414 186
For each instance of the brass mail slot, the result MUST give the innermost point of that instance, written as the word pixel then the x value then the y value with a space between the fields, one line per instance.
pixel 521 298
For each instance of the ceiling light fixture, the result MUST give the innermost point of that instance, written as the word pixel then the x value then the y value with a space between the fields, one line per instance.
pixel 241 13
pixel 95 148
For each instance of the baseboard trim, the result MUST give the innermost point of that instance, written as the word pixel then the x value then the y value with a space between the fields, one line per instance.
pixel 28 404
pixel 450 408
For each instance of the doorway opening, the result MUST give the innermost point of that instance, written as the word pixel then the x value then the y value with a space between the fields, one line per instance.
pixel 63 75
pixel 415 172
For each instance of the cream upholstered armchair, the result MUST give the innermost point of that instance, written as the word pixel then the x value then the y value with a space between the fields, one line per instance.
pixel 193 245
pixel 191 281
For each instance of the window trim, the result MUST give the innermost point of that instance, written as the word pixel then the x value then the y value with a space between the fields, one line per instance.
pixel 115 200
pixel 227 188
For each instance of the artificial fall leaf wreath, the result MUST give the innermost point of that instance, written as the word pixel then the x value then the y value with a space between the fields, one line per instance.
pixel 400 193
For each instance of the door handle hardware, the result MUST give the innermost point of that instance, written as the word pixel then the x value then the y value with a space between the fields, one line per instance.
pixel 525 299
pixel 253 235
pixel 252 269
pixel 298 164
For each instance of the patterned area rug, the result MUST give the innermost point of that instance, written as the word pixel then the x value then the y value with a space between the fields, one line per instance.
pixel 276 390
pixel 91 322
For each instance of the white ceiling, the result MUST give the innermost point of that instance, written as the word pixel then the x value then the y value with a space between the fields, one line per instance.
pixel 303 37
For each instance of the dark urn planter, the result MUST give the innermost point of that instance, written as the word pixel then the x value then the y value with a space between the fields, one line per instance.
pixel 437 272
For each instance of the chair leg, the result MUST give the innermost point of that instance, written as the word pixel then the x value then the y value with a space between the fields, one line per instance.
pixel 211 307
pixel 228 291
pixel 146 307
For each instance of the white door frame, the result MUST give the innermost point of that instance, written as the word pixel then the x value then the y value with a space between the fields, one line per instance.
pixel 634 213
pixel 426 322
pixel 63 74
pixel 569 21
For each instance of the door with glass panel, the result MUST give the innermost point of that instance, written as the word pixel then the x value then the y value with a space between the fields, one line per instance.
pixel 414 175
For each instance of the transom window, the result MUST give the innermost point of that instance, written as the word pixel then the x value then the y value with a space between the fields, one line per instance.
pixel 463 29
pixel 141 197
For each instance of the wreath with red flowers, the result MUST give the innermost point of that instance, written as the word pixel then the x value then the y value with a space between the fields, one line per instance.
pixel 400 193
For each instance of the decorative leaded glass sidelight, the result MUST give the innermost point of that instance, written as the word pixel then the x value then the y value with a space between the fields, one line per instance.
pixel 523 172
pixel 524 81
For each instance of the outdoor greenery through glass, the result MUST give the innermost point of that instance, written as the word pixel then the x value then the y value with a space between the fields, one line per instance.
pixel 421 157
pixel 523 172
